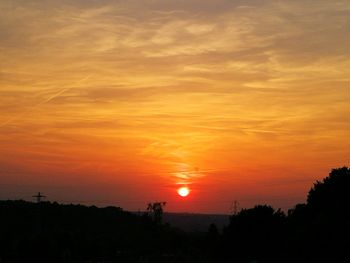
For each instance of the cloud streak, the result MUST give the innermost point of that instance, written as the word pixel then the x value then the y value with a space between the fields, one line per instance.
pixel 146 88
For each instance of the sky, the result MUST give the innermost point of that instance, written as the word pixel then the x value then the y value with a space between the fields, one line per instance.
pixel 123 102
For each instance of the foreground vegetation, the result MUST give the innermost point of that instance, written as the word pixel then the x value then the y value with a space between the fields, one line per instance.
pixel 317 231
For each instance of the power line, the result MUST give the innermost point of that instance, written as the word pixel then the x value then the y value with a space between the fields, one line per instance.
pixel 38 197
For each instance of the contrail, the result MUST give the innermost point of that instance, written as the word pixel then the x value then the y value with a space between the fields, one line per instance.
pixel 62 91
pixel 21 115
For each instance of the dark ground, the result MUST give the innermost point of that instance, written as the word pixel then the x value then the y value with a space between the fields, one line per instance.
pixel 317 231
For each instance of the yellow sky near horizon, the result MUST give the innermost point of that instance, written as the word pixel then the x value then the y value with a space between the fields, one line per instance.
pixel 120 102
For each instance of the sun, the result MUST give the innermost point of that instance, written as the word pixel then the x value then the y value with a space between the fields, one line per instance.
pixel 183 191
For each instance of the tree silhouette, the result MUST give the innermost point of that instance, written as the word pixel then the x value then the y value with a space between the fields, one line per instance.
pixel 316 231
pixel 331 195
pixel 253 233
pixel 324 221
pixel 156 211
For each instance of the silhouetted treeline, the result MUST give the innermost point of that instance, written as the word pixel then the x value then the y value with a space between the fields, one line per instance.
pixel 317 231
pixel 52 232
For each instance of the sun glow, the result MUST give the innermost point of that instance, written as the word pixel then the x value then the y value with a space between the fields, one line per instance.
pixel 183 191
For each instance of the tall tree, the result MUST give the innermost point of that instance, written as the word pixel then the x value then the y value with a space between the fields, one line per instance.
pixel 156 211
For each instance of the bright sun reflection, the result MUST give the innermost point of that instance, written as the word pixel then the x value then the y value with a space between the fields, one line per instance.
pixel 183 191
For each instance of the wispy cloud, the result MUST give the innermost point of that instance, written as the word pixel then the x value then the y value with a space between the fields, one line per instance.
pixel 148 87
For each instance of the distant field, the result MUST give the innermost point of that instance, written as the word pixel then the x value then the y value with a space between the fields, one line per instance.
pixel 195 222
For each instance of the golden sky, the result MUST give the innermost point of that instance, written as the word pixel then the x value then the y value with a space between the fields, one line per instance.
pixel 122 102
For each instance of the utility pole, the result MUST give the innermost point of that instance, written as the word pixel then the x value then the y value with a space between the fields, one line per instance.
pixel 235 207
pixel 38 197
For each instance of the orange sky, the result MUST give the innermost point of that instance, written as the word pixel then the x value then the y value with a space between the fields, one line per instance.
pixel 122 102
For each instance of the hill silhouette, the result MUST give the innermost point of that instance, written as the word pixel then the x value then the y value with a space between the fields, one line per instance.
pixel 190 222
pixel 316 231
pixel 52 232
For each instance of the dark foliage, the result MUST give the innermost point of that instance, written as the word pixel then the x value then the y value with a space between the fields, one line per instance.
pixel 331 195
pixel 317 231
pixel 50 232
pixel 322 225
pixel 156 211
pixel 255 234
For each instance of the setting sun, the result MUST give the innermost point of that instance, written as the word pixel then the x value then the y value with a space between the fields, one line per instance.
pixel 183 191
pixel 159 123
pixel 131 102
